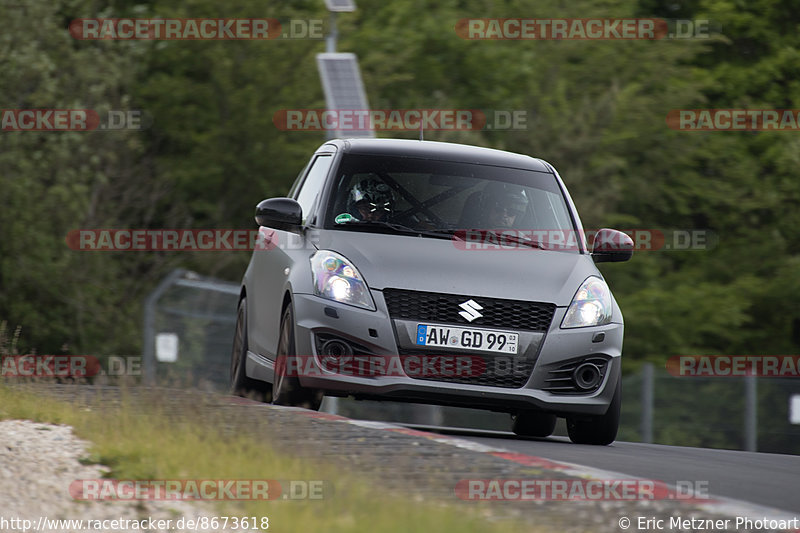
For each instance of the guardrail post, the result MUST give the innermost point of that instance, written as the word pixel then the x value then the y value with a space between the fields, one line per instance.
pixel 648 386
pixel 751 413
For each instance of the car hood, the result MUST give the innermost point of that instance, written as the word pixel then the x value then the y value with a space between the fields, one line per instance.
pixel 439 265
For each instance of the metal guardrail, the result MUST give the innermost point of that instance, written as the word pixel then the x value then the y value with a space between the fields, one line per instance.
pixel 220 314
pixel 747 413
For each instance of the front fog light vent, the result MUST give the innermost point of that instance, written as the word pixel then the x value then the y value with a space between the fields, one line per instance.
pixel 580 376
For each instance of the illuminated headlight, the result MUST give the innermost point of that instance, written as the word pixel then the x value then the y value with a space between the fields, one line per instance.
pixel 336 279
pixel 591 305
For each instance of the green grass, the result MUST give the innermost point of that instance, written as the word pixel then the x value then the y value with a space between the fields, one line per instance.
pixel 146 444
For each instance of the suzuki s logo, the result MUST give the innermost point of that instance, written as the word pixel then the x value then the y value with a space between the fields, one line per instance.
pixel 470 310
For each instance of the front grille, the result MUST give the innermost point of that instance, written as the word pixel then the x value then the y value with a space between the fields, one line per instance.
pixel 496 371
pixel 559 380
pixel 439 307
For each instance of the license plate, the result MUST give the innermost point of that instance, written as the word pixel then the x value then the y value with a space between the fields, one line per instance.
pixel 467 338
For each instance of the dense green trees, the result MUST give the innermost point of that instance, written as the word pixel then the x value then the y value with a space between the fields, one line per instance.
pixel 596 109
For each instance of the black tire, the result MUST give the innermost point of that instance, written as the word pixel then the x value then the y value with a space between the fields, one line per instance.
pixel 534 424
pixel 599 430
pixel 287 389
pixel 240 384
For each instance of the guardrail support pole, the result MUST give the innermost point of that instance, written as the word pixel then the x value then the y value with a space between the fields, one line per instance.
pixel 751 414
pixel 648 382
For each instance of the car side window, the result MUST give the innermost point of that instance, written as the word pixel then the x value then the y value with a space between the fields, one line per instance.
pixel 297 181
pixel 313 183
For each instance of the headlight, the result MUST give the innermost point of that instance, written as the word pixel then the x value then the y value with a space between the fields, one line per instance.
pixel 591 305
pixel 336 279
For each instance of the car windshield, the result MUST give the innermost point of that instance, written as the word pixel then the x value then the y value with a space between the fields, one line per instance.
pixel 400 194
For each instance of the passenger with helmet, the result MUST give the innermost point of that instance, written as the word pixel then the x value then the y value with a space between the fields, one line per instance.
pixel 504 205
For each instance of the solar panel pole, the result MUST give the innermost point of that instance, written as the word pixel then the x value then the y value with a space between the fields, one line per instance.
pixel 336 6
pixel 333 35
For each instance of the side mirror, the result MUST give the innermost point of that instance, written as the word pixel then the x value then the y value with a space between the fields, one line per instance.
pixel 279 213
pixel 611 246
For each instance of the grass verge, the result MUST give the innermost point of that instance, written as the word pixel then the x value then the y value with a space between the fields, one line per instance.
pixel 150 443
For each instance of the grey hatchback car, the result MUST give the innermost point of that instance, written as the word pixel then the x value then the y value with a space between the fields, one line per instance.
pixel 434 273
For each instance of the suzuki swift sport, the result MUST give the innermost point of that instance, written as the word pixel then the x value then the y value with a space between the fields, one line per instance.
pixel 433 273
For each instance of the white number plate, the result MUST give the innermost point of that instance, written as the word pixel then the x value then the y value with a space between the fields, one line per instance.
pixel 467 338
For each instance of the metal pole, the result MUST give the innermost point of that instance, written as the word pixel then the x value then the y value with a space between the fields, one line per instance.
pixel 648 390
pixel 751 414
pixel 437 417
pixel 148 350
pixel 330 42
pixel 331 405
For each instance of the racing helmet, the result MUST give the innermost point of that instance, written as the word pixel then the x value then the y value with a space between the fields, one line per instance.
pixel 372 193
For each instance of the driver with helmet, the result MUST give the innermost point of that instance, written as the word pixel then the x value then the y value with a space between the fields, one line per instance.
pixel 371 200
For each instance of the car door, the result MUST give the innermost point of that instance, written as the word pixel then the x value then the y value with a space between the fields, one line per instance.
pixel 268 266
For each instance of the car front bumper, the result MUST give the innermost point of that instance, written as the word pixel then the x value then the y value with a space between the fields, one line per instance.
pixel 379 334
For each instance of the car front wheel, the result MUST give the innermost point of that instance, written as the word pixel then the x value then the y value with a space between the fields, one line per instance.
pixel 534 424
pixel 600 430
pixel 286 389
pixel 240 384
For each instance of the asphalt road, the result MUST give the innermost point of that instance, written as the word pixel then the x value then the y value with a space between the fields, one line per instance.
pixel 765 479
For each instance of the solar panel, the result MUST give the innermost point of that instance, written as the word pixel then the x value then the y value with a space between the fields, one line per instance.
pixel 340 6
pixel 344 90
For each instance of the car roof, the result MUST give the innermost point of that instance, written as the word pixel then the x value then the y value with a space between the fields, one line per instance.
pixel 441 151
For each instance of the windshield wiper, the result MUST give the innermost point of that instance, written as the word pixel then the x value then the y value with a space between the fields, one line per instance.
pixel 503 238
pixel 399 228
